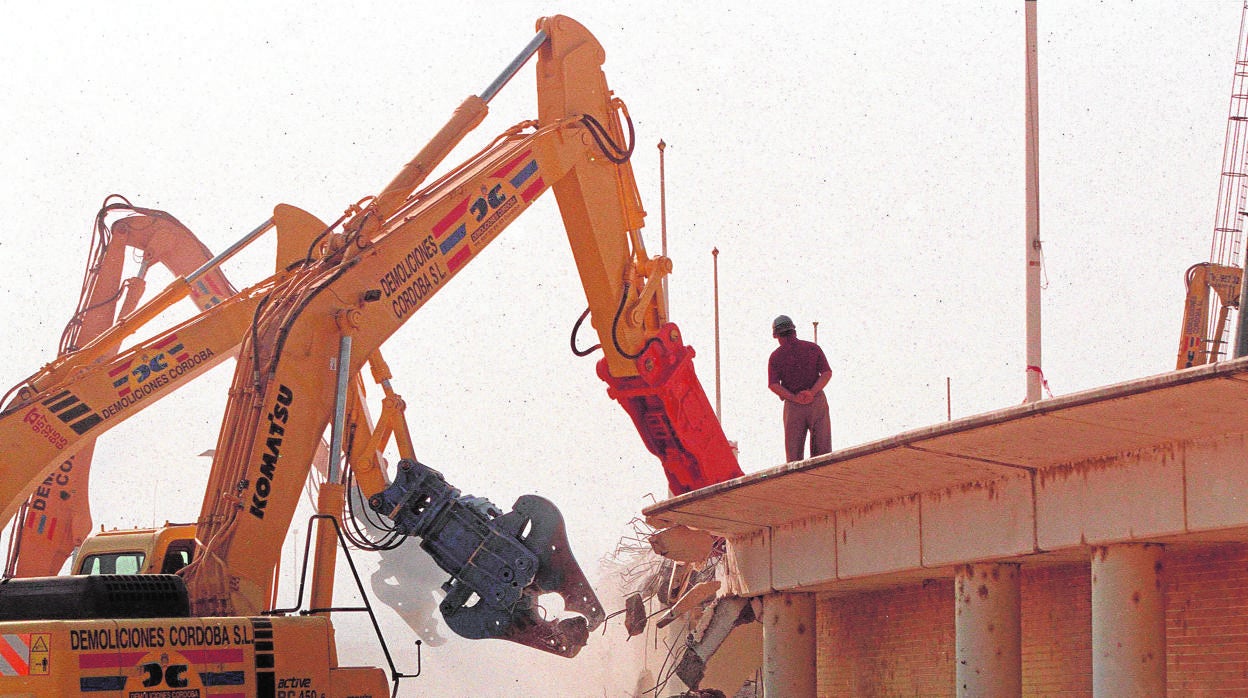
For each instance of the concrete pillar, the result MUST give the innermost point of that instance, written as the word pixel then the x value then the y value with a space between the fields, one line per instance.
pixel 789 646
pixel 1128 621
pixel 988 630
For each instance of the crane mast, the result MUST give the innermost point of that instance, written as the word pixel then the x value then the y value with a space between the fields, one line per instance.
pixel 1228 223
pixel 1213 287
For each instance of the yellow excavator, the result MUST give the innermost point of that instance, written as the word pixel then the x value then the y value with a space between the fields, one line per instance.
pixel 339 292
pixel 56 516
pixel 1209 285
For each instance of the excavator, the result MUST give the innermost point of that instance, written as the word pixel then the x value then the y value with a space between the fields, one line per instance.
pixel 1209 285
pixel 339 292
pixel 56 517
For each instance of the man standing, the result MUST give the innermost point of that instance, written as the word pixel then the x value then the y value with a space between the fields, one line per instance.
pixel 797 372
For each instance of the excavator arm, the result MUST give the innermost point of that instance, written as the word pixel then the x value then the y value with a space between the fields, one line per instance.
pixel 93 385
pixel 374 273
pixel 74 399
pixel 1208 285
pixel 647 367
pixel 57 515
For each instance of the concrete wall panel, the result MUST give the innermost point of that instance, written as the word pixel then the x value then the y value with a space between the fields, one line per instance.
pixel 748 565
pixel 1207 621
pixel 1217 483
pixel 1057 630
pixel 895 642
pixel 879 539
pixel 979 522
pixel 804 553
pixel 1128 497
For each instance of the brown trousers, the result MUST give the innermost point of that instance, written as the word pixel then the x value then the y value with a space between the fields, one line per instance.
pixel 802 419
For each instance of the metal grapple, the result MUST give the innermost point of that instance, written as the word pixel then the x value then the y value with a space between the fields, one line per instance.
pixel 500 563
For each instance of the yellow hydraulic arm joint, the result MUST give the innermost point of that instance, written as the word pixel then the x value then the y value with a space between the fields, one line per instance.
pixel 657 269
pixel 367 445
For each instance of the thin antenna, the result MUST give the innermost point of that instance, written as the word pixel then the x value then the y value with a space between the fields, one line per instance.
pixel 663 221
pixel 715 267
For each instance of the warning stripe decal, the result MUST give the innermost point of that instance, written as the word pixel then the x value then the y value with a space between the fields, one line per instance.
pixel 15 654
pixel 67 407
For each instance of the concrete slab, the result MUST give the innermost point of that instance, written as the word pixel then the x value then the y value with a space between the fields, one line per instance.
pixel 1159 458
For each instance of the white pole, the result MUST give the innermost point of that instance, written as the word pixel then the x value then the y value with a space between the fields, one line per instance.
pixel 1035 374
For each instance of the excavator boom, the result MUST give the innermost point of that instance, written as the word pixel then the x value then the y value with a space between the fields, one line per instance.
pixel 393 256
pixel 57 515
pixel 56 411
pixel 1208 285
pixel 339 293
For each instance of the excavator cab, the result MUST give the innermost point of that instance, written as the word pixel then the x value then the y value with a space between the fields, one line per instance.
pixel 163 550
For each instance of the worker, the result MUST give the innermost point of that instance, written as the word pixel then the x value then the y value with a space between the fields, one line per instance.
pixel 797 372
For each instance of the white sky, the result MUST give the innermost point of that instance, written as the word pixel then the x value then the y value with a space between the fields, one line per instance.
pixel 859 165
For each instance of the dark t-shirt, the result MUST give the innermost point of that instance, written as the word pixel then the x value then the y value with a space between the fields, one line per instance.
pixel 796 365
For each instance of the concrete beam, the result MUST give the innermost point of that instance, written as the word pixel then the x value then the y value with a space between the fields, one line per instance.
pixel 879 539
pixel 1216 474
pixel 1122 498
pixel 979 522
pixel 1159 493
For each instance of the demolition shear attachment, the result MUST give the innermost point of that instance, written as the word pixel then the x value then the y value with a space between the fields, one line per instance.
pixel 500 563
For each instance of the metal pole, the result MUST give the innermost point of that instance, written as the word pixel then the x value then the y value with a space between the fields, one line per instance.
pixel 715 266
pixel 663 221
pixel 1035 374
pixel 663 195
pixel 1241 331
pixel 332 494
